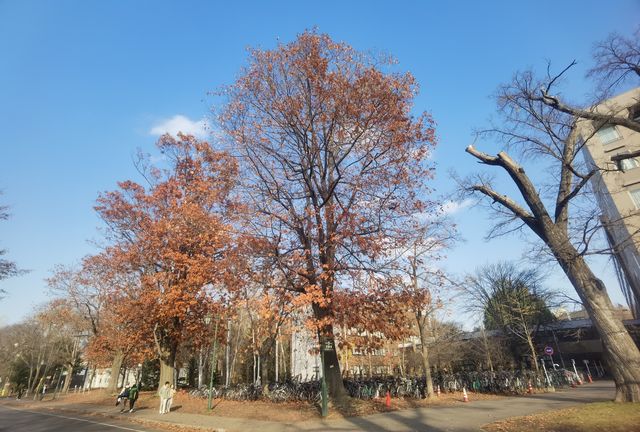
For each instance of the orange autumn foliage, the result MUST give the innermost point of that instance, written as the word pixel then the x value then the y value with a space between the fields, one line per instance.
pixel 336 165
pixel 174 240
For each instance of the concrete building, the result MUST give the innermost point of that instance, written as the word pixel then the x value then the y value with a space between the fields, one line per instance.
pixel 615 151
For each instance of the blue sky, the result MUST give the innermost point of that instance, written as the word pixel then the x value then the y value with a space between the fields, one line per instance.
pixel 84 83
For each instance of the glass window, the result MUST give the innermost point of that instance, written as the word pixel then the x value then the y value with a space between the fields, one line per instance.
pixel 628 164
pixel 608 134
pixel 635 197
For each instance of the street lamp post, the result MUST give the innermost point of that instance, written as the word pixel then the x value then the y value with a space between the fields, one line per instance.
pixel 207 321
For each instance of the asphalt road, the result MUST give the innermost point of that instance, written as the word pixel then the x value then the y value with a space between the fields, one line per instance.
pixel 19 420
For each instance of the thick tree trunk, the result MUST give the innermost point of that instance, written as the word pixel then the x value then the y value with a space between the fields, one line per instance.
pixel 167 369
pixel 29 381
pixel 265 354
pixel 264 373
pixel 93 375
pixel 67 379
pixel 487 350
pixel 34 380
pixel 331 368
pixel 623 352
pixel 424 354
pixel 201 363
pixel 118 358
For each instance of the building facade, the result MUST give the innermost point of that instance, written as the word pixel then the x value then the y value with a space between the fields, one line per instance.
pixel 615 151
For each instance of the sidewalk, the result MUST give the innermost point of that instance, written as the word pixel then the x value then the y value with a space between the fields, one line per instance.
pixel 458 418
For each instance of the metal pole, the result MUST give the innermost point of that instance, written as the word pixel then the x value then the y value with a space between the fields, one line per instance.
pixel 213 364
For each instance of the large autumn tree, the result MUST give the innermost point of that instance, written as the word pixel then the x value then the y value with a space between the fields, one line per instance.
pixel 538 123
pixel 334 164
pixel 175 237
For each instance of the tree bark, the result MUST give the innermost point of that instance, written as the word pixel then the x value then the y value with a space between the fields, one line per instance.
pixel 331 368
pixel 264 373
pixel 623 352
pixel 67 379
pixel 201 367
pixel 93 375
pixel 118 358
pixel 167 369
pixel 265 354
pixel 532 350
pixel 424 354
pixel 487 350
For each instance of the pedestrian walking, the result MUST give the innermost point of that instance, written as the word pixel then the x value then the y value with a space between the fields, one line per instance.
pixel 172 392
pixel 133 396
pixel 165 394
pixel 123 397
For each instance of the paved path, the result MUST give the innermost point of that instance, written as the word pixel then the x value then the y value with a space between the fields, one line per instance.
pixel 457 418
pixel 23 420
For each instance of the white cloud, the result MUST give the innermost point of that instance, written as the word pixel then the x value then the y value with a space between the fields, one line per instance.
pixel 180 123
pixel 452 207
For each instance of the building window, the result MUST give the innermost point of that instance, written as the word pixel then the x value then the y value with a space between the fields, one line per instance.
pixel 635 197
pixel 628 164
pixel 608 134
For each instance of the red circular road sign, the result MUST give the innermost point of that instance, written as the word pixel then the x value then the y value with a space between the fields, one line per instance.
pixel 548 350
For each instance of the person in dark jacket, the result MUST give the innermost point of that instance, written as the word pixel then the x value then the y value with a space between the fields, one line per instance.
pixel 133 396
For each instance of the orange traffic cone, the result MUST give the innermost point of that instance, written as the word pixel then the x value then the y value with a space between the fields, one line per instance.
pixel 465 398
pixel 530 389
pixel 388 399
pixel 438 391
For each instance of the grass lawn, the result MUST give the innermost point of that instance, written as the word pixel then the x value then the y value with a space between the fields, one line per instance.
pixel 594 417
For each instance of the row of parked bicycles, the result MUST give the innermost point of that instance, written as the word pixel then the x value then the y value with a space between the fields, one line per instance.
pixel 503 382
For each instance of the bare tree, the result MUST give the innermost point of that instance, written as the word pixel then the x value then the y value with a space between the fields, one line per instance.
pixel 511 300
pixel 7 268
pixel 617 62
pixel 421 280
pixel 543 126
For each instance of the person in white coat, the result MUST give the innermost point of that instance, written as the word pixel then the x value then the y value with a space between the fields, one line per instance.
pixel 165 395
